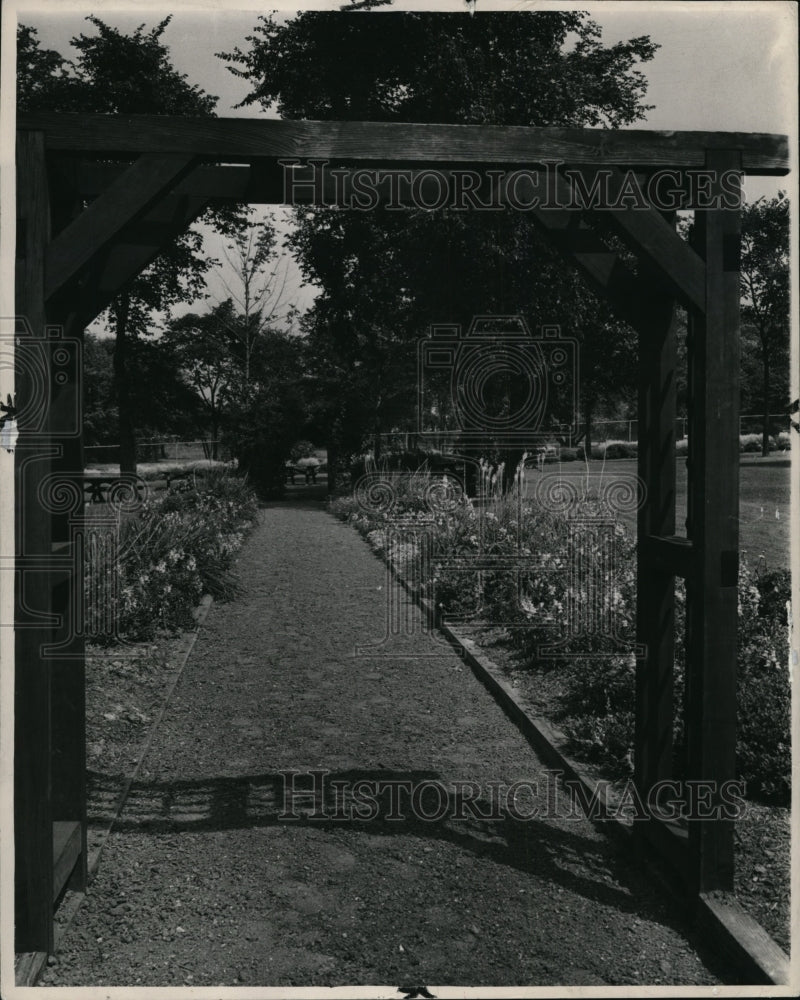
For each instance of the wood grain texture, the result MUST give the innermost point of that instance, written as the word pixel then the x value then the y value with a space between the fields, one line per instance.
pixel 126 256
pixel 713 526
pixel 33 832
pixel 241 139
pixel 743 940
pixel 127 196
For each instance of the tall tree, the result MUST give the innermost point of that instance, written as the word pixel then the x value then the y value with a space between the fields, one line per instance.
pixel 118 73
pixel 386 276
pixel 765 294
pixel 202 344
pixel 256 286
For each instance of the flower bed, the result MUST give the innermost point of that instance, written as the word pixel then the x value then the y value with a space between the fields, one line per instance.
pixel 595 675
pixel 178 546
pixel 590 694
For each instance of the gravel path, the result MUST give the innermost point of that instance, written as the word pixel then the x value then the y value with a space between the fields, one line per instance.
pixel 214 876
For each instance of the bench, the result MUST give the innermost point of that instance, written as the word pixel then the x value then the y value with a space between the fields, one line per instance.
pixel 96 489
pixel 547 453
pixel 309 472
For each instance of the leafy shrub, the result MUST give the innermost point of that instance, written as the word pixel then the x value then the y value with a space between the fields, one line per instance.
pixel 763 750
pixel 598 693
pixel 620 449
pixel 180 545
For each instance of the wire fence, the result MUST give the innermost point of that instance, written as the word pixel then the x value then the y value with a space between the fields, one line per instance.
pixel 628 430
pixel 160 450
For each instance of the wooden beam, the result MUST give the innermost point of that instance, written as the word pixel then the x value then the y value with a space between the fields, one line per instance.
pixel 673 555
pixel 127 256
pixel 263 182
pixel 126 197
pixel 655 610
pixel 33 831
pixel 238 139
pixel 603 268
pixel 713 526
pixel 652 238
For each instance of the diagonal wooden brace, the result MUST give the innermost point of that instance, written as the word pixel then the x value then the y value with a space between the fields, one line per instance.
pixel 651 237
pixel 134 249
pixel 127 197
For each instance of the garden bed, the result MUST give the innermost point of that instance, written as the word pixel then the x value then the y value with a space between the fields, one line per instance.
pixel 763 835
pixel 589 694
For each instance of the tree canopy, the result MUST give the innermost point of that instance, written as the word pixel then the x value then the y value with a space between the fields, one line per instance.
pixel 765 309
pixel 119 73
pixel 386 276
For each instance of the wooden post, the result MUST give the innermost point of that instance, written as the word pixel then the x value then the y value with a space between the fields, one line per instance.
pixel 655 613
pixel 713 511
pixel 33 827
pixel 67 660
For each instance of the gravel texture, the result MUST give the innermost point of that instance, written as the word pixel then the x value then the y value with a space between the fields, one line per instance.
pixel 212 876
pixel 762 838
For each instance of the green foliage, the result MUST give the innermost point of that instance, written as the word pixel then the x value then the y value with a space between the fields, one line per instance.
pixel 164 404
pixel 385 276
pixel 179 546
pixel 100 412
pixel 263 417
pixel 506 67
pixel 765 309
pixel 118 73
pixel 597 678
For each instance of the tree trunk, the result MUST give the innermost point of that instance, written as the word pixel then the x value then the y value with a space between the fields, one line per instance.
pixel 511 457
pixel 122 375
pixel 587 430
pixel 765 402
pixel 214 432
pixel 333 467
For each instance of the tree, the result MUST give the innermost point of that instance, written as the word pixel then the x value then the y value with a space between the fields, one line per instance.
pixel 202 343
pixel 608 364
pixel 263 422
pixel 765 294
pixel 100 415
pixel 161 399
pixel 256 290
pixel 117 73
pixel 385 277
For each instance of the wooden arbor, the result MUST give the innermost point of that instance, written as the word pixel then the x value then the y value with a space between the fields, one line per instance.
pixel 99 196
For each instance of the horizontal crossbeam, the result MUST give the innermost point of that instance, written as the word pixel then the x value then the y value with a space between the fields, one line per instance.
pixel 394 143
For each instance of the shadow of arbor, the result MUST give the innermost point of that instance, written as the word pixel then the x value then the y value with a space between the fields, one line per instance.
pixel 556 846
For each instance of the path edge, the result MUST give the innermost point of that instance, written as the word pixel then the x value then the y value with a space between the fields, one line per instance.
pixel 733 932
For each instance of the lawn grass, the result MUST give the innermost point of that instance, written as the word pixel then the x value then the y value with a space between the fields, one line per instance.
pixel 764 501
pixel 159 470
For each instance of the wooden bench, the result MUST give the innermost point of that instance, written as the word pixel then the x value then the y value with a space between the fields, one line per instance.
pixel 309 472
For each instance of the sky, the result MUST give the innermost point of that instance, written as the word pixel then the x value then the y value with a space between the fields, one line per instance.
pixel 720 66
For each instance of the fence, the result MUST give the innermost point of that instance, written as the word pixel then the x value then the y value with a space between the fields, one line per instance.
pixel 627 430
pixel 159 450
